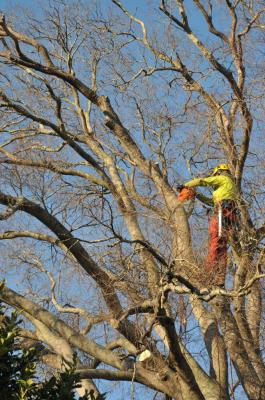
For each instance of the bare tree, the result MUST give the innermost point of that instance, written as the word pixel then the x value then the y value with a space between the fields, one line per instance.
pixel 102 115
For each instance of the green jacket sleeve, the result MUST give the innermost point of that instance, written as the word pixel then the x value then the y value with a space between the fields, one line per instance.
pixel 209 181
pixel 194 182
pixel 204 199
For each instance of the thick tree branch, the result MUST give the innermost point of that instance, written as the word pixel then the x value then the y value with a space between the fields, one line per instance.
pixel 73 247
pixel 74 338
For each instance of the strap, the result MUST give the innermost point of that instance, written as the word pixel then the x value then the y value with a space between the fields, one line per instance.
pixel 220 215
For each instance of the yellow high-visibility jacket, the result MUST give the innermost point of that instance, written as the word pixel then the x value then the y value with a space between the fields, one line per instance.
pixel 223 185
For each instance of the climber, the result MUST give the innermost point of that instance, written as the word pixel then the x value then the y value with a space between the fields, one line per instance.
pixel 223 217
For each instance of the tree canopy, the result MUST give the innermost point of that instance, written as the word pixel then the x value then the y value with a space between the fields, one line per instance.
pixel 106 108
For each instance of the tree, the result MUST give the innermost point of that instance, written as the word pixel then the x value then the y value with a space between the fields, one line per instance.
pixel 103 113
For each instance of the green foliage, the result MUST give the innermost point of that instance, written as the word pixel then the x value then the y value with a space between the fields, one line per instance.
pixel 18 378
pixel 16 368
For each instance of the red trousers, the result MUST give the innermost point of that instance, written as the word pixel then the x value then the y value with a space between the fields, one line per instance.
pixel 216 261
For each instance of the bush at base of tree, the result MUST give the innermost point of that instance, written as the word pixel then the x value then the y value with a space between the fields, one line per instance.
pixel 18 377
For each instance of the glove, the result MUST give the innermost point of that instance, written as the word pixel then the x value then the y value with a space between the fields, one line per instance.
pixel 180 187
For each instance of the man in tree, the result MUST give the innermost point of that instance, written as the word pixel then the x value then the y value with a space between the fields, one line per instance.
pixel 222 219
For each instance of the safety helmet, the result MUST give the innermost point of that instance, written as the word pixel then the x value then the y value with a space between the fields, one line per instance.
pixel 221 167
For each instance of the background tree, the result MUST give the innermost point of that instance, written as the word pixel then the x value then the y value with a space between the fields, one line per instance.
pixel 104 109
